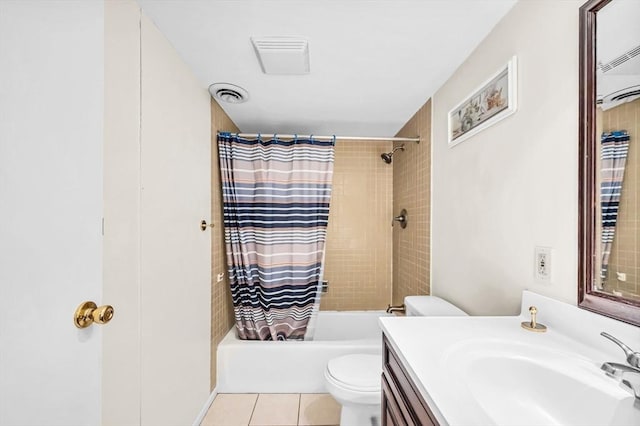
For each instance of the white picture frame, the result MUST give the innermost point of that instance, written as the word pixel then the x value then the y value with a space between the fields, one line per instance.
pixel 486 105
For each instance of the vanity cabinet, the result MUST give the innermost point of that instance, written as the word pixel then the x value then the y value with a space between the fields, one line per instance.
pixel 402 403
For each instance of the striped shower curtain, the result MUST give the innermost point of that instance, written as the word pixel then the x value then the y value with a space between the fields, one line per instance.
pixel 276 209
pixel 614 149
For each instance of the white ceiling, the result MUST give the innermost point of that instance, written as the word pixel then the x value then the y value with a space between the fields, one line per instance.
pixel 618 29
pixel 373 63
pixel 617 33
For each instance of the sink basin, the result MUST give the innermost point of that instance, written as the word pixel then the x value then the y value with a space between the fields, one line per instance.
pixel 480 371
pixel 518 384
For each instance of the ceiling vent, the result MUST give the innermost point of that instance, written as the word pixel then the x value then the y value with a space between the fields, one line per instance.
pixel 229 93
pixel 618 97
pixel 620 59
pixel 282 55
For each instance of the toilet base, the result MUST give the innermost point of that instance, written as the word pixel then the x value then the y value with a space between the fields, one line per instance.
pixel 360 415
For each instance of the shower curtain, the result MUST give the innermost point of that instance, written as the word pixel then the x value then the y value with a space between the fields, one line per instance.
pixel 614 149
pixel 276 208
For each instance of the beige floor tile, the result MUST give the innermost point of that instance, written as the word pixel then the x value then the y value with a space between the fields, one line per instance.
pixel 276 409
pixel 318 409
pixel 230 409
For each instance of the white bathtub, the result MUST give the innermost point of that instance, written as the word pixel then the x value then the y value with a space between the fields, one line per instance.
pixel 295 366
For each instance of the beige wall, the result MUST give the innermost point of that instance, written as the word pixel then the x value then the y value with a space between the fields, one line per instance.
pixel 157 261
pixel 221 306
pixel 358 251
pixel 514 185
pixel 121 243
pixel 175 257
pixel 625 253
pixel 412 191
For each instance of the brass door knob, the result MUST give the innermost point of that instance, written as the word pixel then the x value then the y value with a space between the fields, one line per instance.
pixel 204 225
pixel 88 313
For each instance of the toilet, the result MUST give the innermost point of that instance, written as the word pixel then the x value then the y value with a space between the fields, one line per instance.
pixel 354 380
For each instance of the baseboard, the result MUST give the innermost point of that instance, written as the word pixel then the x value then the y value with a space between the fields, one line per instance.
pixel 204 410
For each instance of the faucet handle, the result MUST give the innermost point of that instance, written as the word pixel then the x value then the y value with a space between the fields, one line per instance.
pixel 627 375
pixel 633 358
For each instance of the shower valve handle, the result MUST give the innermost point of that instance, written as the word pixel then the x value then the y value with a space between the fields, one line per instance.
pixel 398 219
pixel 402 219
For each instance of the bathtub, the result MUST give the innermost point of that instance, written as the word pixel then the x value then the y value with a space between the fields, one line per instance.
pixel 295 366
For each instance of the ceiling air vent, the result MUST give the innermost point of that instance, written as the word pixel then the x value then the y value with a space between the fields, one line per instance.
pixel 618 97
pixel 229 93
pixel 620 59
pixel 625 93
pixel 282 55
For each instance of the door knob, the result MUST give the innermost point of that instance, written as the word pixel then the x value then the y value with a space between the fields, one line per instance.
pixel 88 313
pixel 203 225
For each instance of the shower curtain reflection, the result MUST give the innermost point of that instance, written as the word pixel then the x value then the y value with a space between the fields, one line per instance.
pixel 614 149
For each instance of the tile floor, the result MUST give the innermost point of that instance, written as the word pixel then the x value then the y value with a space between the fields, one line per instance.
pixel 271 409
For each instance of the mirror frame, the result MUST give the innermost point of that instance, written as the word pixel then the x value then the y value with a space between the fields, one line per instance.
pixel 612 306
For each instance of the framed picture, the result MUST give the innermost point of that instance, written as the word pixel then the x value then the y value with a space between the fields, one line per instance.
pixel 494 100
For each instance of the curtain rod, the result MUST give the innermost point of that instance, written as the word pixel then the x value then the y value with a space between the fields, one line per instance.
pixel 343 138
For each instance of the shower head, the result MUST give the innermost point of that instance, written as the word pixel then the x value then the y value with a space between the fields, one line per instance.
pixel 387 156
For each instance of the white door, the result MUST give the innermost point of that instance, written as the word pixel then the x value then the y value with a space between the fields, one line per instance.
pixel 51 112
pixel 63 65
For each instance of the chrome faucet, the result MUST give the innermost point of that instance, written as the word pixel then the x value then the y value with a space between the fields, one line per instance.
pixel 628 375
pixel 633 358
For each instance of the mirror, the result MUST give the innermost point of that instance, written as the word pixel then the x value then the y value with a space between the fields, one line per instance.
pixel 609 273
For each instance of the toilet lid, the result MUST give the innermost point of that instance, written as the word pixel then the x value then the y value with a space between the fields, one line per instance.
pixel 357 371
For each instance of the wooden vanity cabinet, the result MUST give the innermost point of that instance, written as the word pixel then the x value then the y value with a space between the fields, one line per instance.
pixel 402 403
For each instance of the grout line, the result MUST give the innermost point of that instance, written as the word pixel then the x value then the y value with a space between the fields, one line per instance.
pixel 254 409
pixel 299 402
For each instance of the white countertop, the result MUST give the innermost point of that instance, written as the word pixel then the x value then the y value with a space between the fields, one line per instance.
pixel 436 352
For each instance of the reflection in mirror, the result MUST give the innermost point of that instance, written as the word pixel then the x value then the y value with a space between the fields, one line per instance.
pixel 617 63
pixel 609 159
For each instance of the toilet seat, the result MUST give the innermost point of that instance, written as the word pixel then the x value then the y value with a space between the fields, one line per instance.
pixel 355 378
pixel 357 372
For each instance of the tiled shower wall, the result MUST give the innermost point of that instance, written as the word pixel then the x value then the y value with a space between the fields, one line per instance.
pixel 221 306
pixel 358 253
pixel 412 191
pixel 625 252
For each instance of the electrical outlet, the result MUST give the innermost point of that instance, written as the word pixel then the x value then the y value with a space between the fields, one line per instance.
pixel 542 265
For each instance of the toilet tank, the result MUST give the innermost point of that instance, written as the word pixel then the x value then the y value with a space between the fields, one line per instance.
pixel 427 306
